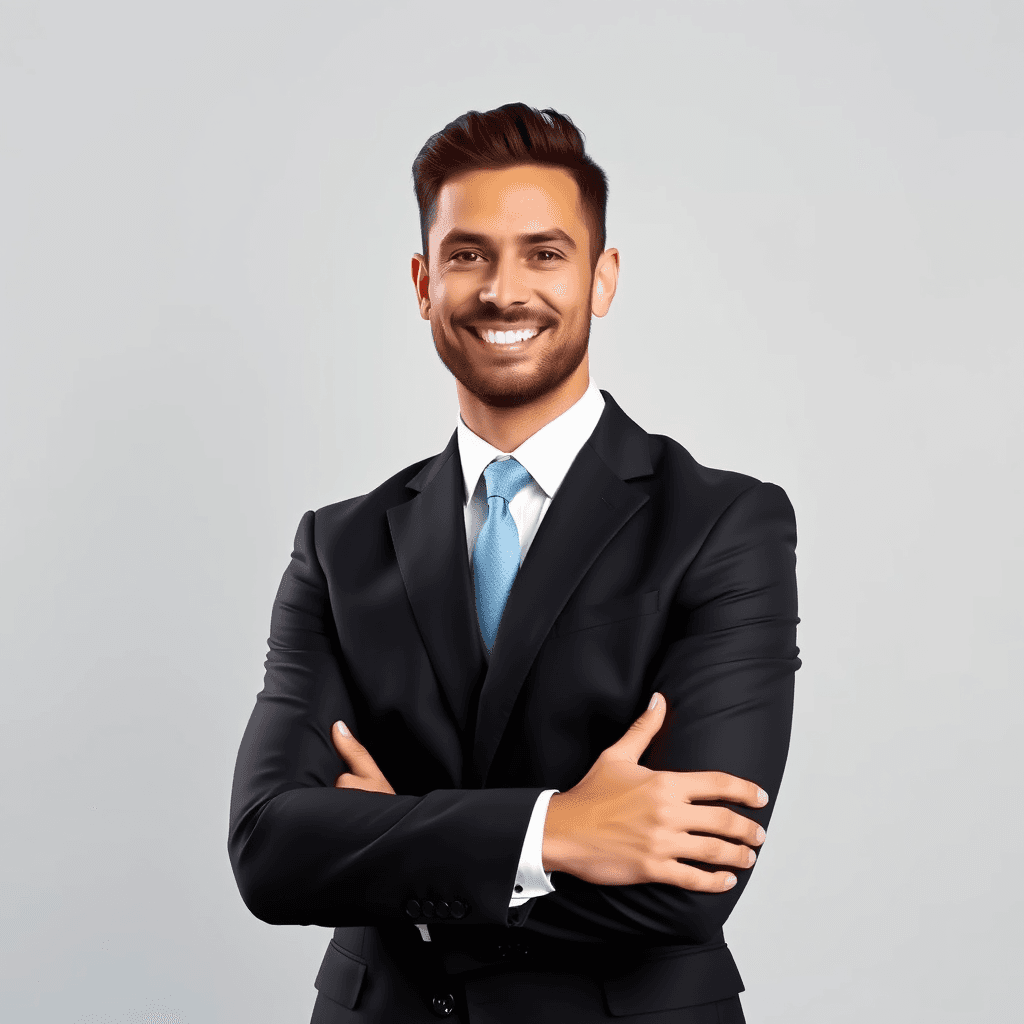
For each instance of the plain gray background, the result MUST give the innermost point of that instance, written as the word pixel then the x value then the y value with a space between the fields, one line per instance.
pixel 206 218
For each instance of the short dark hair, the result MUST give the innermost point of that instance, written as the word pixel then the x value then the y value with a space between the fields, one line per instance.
pixel 510 135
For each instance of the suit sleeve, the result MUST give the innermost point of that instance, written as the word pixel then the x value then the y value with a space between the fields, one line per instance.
pixel 304 852
pixel 727 671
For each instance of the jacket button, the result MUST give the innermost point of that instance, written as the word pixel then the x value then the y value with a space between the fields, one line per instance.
pixel 441 908
pixel 458 909
pixel 412 908
pixel 427 908
pixel 443 1004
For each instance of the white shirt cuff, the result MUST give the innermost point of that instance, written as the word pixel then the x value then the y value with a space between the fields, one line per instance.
pixel 531 878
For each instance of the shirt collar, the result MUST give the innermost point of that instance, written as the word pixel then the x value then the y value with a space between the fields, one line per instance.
pixel 546 455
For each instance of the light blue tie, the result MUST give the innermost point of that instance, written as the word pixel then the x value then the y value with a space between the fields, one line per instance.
pixel 496 555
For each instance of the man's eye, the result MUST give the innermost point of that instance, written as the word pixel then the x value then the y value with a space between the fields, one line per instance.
pixel 470 257
pixel 548 256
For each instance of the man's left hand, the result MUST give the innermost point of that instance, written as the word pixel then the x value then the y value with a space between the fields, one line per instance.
pixel 364 772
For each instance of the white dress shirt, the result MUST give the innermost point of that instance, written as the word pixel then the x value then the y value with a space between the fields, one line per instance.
pixel 546 456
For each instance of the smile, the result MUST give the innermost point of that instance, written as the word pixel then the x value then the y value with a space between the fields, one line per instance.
pixel 507 337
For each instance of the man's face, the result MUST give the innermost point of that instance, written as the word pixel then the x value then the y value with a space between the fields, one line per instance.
pixel 508 286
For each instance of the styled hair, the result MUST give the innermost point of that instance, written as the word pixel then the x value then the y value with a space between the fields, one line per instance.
pixel 509 135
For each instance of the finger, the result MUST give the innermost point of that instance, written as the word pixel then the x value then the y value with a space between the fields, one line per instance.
pixel 350 781
pixel 355 755
pixel 686 876
pixel 639 735
pixel 711 850
pixel 720 821
pixel 720 786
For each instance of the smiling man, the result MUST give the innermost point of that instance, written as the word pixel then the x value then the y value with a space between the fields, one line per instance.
pixel 528 702
pixel 515 281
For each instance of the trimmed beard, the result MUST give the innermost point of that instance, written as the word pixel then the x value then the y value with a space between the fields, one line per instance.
pixel 511 391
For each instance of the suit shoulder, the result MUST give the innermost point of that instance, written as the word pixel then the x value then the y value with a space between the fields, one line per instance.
pixel 374 503
pixel 713 489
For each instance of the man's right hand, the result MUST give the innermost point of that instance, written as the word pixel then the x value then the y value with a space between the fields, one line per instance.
pixel 623 823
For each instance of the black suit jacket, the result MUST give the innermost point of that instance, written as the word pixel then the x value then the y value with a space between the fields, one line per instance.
pixel 648 572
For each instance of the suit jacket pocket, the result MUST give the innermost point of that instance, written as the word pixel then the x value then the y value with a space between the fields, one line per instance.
pixel 589 615
pixel 341 975
pixel 670 978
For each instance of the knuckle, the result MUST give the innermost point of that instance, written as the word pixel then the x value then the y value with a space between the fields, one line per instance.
pixel 664 785
pixel 708 850
pixel 723 821
pixel 659 815
pixel 737 856
pixel 649 868
pixel 739 826
pixel 742 857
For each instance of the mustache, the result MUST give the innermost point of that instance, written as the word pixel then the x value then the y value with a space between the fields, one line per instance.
pixel 509 319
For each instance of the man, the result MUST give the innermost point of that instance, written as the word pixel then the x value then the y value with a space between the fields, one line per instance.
pixel 469 643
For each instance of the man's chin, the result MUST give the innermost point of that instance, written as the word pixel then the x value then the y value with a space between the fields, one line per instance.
pixel 510 393
pixel 506 399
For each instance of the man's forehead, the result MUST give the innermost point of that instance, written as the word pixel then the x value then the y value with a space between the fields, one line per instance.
pixel 526 198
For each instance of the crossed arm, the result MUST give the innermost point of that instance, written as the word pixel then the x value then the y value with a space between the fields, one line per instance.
pixel 643 851
pixel 625 824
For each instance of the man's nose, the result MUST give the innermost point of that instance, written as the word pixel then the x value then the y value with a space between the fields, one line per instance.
pixel 505 285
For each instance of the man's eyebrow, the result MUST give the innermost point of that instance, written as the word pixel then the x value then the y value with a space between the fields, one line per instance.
pixel 553 235
pixel 456 237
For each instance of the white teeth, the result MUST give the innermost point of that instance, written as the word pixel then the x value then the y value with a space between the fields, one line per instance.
pixel 507 337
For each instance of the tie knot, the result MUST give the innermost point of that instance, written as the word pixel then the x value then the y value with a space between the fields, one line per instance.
pixel 506 478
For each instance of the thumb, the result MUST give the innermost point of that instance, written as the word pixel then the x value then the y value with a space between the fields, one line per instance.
pixel 354 753
pixel 639 735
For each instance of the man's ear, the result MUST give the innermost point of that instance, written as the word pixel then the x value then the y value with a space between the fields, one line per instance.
pixel 606 277
pixel 421 282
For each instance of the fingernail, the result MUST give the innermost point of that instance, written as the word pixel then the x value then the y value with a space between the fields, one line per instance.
pixel 760 834
pixel 762 797
pixel 342 728
pixel 654 703
pixel 730 881
pixel 751 857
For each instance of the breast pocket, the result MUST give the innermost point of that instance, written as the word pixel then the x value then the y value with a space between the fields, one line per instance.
pixel 589 616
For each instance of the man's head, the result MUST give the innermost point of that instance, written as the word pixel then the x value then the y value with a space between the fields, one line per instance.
pixel 510 135
pixel 513 265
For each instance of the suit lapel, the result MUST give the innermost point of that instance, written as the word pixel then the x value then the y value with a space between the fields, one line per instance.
pixel 591 506
pixel 429 535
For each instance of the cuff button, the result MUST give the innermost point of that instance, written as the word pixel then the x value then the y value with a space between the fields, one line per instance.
pixel 443 1004
pixel 412 908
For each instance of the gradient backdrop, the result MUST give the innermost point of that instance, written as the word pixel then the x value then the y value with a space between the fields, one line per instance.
pixel 206 218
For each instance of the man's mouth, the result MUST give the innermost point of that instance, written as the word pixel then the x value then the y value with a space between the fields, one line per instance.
pixel 507 337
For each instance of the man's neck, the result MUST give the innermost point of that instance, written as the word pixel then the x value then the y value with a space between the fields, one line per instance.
pixel 507 428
